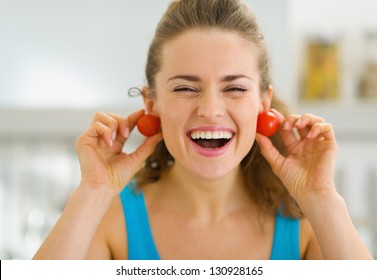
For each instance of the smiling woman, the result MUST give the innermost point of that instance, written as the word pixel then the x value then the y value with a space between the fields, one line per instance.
pixel 217 90
pixel 208 186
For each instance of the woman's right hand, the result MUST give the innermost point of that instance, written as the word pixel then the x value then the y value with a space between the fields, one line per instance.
pixel 100 151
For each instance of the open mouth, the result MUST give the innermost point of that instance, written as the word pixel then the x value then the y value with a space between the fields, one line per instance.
pixel 211 139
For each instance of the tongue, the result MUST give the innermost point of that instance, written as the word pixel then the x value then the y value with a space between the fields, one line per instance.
pixel 210 144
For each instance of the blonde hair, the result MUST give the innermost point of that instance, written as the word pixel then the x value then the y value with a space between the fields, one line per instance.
pixel 229 15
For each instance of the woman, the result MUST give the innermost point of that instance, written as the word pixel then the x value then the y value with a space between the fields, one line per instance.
pixel 208 186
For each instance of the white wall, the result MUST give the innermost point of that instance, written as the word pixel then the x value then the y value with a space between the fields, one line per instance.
pixel 72 53
pixel 85 54
pixel 80 54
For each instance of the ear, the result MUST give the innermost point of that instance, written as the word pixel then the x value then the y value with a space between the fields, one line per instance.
pixel 149 101
pixel 266 99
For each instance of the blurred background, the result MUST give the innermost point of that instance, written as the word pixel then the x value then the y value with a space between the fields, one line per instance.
pixel 61 61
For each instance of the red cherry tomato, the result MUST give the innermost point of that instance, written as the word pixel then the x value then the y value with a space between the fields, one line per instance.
pixel 267 124
pixel 148 125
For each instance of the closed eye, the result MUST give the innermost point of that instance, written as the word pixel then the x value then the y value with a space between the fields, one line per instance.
pixel 183 89
pixel 235 89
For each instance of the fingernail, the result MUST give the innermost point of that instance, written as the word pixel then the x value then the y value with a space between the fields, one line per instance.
pixel 114 136
pixel 286 125
pixel 126 132
pixel 298 122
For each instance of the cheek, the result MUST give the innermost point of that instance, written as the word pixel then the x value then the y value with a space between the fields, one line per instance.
pixel 246 120
pixel 172 120
pixel 248 128
pixel 172 127
pixel 171 111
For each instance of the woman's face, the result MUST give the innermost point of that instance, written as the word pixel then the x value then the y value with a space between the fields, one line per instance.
pixel 208 98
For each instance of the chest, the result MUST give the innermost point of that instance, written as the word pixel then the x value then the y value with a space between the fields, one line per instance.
pixel 237 237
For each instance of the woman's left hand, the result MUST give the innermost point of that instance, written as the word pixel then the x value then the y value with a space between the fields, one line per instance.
pixel 309 166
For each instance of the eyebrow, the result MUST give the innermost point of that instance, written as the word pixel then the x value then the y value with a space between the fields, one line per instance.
pixel 231 78
pixel 193 78
pixel 190 78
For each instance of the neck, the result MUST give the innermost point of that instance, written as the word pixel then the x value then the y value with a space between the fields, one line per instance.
pixel 211 200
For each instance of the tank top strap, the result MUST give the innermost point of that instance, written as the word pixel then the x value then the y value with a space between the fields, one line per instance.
pixel 140 240
pixel 286 243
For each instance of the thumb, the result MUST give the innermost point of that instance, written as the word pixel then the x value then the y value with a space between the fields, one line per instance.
pixel 145 150
pixel 270 153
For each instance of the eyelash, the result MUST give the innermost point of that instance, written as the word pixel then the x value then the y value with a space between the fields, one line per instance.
pixel 236 89
pixel 181 89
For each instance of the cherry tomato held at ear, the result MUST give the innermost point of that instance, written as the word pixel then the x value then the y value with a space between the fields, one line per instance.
pixel 267 124
pixel 148 125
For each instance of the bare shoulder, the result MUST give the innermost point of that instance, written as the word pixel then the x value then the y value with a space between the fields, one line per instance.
pixel 110 240
pixel 309 246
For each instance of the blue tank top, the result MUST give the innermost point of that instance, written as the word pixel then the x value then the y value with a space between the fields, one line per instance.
pixel 142 247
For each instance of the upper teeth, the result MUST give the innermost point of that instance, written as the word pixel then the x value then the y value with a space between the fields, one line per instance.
pixel 211 135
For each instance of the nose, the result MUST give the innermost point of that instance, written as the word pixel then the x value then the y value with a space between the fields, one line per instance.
pixel 211 106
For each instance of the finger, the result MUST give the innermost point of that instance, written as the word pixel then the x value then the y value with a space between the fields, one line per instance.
pixel 278 115
pixel 305 122
pixel 99 130
pixel 145 149
pixel 288 131
pixel 270 153
pixel 123 127
pixel 132 119
pixel 307 119
pixel 125 124
pixel 109 121
pixel 321 130
pixel 289 122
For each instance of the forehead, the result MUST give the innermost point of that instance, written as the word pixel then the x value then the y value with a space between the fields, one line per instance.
pixel 209 50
